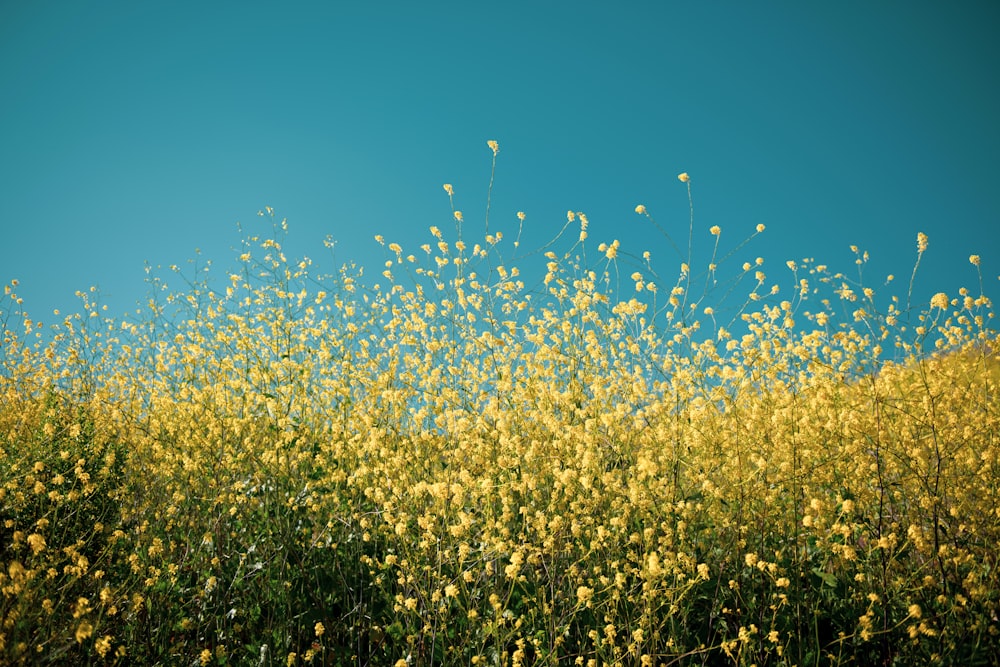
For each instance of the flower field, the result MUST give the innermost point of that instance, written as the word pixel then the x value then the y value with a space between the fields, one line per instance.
pixel 451 464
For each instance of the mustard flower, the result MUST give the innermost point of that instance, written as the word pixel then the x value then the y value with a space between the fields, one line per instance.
pixel 458 216
pixel 612 250
pixel 319 629
pixel 83 631
pixel 447 188
pixel 939 300
pixel 683 178
pixel 81 608
pixel 494 146
pixel 715 230
pixel 760 227
pixel 37 543
pixel 921 242
pixel 103 645
pixel 974 260
pixel 640 209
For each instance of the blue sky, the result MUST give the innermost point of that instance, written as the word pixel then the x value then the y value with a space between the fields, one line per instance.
pixel 135 132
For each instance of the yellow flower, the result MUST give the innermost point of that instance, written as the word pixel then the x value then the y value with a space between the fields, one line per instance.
pixel 319 629
pixel 83 631
pixel 458 216
pixel 974 260
pixel 494 146
pixel 921 241
pixel 520 216
pixel 584 594
pixel 939 300
pixel 640 209
pixel 760 227
pixel 37 543
pixel 447 188
pixel 103 645
pixel 715 230
pixel 81 608
pixel 683 178
pixel 451 591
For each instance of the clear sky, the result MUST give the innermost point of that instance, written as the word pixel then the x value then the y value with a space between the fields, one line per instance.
pixel 139 131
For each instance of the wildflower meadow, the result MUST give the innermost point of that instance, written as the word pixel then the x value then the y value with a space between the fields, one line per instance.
pixel 488 454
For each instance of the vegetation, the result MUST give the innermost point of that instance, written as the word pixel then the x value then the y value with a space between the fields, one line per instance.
pixel 448 466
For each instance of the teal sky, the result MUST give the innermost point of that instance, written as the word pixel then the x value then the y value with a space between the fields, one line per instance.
pixel 139 131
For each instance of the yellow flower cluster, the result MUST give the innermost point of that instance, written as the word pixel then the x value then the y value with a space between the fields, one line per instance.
pixel 462 469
